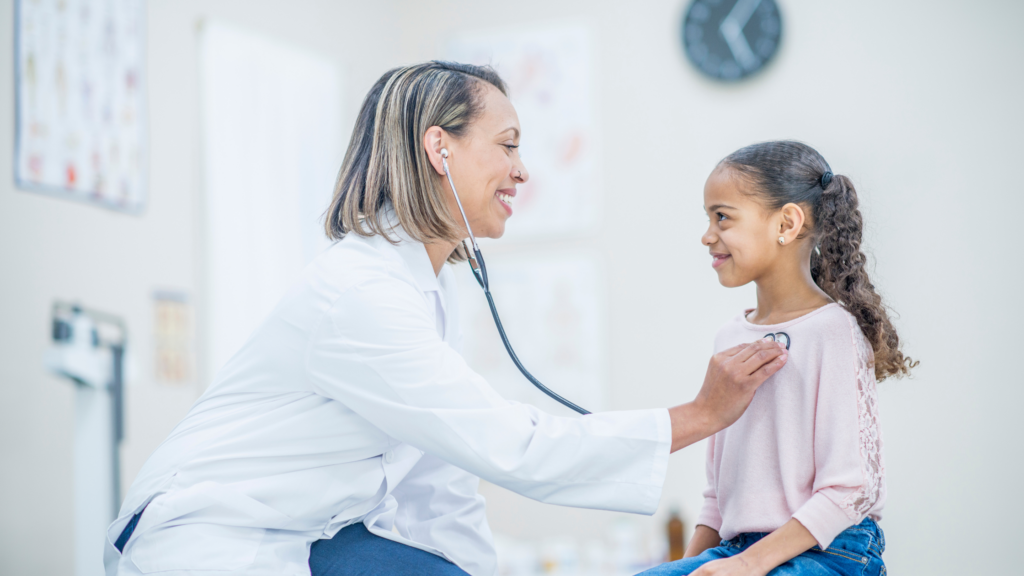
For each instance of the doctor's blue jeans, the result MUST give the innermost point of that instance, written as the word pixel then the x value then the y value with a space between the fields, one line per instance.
pixel 856 551
pixel 355 551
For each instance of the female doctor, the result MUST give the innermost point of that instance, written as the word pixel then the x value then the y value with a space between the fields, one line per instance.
pixel 348 435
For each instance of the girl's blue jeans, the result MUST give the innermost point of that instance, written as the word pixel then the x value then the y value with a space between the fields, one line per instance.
pixel 857 551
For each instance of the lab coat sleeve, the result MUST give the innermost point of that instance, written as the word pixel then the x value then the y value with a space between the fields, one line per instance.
pixel 377 351
pixel 438 506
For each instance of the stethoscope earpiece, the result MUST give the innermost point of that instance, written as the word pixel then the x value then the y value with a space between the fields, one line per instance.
pixel 444 152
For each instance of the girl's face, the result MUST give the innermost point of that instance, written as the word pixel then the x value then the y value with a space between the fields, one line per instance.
pixel 486 166
pixel 742 235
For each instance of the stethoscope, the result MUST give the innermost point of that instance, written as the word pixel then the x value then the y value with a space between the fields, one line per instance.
pixel 779 337
pixel 476 260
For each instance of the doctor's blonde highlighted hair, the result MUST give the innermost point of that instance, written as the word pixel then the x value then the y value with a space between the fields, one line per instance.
pixel 386 166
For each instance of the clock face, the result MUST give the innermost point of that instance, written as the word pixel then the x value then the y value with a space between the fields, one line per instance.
pixel 731 39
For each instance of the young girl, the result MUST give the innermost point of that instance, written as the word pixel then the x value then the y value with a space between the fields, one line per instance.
pixel 797 484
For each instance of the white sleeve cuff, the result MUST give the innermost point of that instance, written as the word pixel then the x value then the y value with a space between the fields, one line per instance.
pixel 662 448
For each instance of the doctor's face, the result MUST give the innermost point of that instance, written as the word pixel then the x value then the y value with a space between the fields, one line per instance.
pixel 486 166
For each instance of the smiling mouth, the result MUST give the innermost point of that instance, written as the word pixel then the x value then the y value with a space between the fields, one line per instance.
pixel 719 259
pixel 506 196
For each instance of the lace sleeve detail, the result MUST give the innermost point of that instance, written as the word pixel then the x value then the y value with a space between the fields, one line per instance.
pixel 859 503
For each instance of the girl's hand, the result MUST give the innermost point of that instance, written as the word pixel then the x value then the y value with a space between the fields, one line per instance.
pixel 734 566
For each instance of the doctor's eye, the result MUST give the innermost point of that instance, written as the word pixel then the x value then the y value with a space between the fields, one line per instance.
pixel 511 147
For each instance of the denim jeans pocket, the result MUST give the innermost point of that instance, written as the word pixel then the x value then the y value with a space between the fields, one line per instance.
pixel 857 550
pixel 839 561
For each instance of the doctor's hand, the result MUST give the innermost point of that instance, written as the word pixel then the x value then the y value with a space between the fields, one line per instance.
pixel 729 385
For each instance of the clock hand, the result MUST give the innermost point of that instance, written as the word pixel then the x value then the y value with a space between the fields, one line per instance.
pixel 732 29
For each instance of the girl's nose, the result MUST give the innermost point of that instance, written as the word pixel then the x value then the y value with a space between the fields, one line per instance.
pixel 708 238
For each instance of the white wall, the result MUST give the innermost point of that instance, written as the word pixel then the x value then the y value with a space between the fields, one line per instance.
pixel 52 249
pixel 919 102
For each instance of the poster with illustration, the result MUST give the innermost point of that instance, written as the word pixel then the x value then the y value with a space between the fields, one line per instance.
pixel 81 115
pixel 554 310
pixel 174 338
pixel 549 72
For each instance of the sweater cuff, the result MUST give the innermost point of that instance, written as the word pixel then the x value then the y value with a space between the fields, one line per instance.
pixel 823 519
pixel 710 515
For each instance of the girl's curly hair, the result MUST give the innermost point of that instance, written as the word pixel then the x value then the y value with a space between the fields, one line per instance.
pixel 791 172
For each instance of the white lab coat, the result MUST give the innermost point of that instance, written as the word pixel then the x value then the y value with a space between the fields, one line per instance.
pixel 351 404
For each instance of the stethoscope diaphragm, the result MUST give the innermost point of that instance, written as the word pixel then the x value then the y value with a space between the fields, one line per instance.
pixel 779 337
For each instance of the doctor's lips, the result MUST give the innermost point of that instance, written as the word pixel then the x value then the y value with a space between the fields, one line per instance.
pixel 506 195
pixel 719 259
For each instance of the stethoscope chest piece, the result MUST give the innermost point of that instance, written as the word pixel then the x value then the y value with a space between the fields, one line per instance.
pixel 779 337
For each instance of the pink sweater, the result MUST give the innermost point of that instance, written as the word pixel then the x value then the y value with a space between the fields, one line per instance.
pixel 809 446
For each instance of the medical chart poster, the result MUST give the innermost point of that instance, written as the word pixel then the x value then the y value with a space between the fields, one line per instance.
pixel 81 102
pixel 173 338
pixel 549 72
pixel 554 310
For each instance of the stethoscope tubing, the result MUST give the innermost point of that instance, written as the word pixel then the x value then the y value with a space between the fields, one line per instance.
pixel 512 353
pixel 480 273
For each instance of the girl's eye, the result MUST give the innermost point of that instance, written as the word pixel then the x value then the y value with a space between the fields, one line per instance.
pixel 720 216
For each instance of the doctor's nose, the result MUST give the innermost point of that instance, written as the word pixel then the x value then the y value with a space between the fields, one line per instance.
pixel 519 172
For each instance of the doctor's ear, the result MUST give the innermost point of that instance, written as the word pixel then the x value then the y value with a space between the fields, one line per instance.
pixel 433 142
pixel 791 223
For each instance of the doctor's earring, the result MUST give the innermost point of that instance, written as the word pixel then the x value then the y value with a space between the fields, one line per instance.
pixel 782 240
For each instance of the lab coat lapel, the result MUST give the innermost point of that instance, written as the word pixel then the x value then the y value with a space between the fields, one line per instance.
pixel 414 254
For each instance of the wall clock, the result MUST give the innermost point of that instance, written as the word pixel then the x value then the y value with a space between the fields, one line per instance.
pixel 731 39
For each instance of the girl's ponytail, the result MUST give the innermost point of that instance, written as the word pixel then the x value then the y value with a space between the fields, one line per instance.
pixel 791 172
pixel 837 266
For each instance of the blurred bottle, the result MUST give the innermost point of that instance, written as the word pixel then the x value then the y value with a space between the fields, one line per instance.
pixel 676 546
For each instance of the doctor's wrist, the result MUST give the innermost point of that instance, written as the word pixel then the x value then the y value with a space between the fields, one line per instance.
pixel 691 423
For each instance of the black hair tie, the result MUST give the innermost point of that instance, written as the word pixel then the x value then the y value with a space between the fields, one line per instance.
pixel 825 179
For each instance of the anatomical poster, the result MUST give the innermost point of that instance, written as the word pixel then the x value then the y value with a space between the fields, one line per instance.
pixel 549 72
pixel 173 337
pixel 553 308
pixel 81 101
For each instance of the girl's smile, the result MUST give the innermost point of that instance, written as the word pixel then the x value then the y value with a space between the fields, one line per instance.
pixel 718 259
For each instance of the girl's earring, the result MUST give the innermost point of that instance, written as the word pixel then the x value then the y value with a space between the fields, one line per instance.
pixel 782 239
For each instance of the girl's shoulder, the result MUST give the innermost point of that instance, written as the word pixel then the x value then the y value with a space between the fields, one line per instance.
pixel 831 318
pixel 836 338
pixel 835 321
